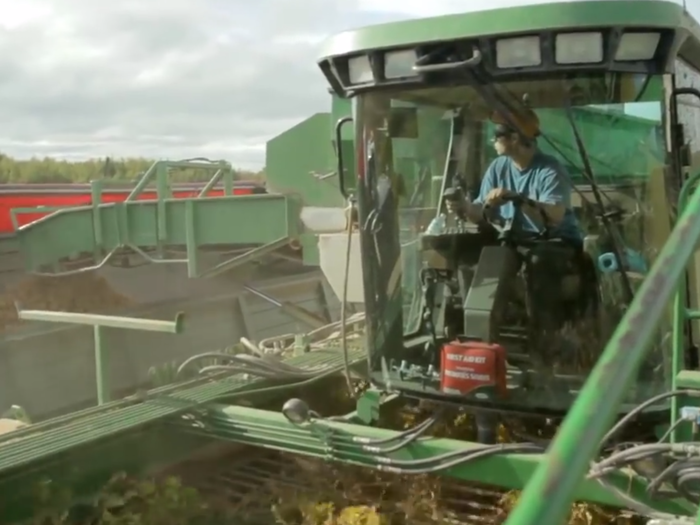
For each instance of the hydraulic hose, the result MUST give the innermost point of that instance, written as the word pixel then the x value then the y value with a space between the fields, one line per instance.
pixel 627 456
pixel 453 459
pixel 646 404
pixel 344 303
pixel 402 440
pixel 263 363
pixel 264 359
pixel 321 338
pixel 679 474
pixel 255 365
pixel 684 473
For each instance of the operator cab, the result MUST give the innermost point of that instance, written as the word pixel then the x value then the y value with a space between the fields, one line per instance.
pixel 537 284
pixel 529 312
pixel 476 313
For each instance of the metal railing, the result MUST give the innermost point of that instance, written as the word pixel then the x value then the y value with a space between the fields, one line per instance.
pixel 156 177
pixel 548 495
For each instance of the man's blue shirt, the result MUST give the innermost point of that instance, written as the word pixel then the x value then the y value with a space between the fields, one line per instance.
pixel 545 180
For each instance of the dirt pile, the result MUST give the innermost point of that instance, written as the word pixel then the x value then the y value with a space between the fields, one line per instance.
pixel 83 293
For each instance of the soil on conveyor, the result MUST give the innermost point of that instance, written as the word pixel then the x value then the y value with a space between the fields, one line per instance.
pixel 81 293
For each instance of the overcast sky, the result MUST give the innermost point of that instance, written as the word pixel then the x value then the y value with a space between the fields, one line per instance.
pixel 173 78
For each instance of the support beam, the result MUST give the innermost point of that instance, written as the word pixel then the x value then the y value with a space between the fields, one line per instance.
pixel 295 311
pixel 249 256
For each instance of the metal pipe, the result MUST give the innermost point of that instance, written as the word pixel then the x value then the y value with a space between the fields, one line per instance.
pixel 143 182
pixel 104 389
pixel 548 494
pixel 130 323
pixel 249 256
pixel 263 296
pixel 212 182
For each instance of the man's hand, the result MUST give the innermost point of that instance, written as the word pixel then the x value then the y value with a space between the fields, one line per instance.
pixel 497 197
pixel 465 210
pixel 456 206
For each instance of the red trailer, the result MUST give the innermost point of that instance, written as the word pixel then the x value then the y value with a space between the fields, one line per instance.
pixel 13 196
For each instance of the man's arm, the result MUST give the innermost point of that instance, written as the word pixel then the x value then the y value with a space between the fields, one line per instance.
pixel 554 197
pixel 475 209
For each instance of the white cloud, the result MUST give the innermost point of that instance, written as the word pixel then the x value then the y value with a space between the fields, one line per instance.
pixel 16 14
pixel 418 8
pixel 159 78
pixel 172 78
pixel 421 8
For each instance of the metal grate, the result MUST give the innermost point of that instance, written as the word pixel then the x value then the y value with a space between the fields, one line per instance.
pixel 258 486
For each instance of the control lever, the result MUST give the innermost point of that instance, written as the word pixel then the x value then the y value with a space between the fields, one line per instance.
pixel 456 195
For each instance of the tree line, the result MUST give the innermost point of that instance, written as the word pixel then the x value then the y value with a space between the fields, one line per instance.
pixel 49 170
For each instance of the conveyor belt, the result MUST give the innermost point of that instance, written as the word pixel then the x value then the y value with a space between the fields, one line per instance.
pixel 62 434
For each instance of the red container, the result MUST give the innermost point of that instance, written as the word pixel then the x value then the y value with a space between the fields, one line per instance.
pixel 471 365
pixel 67 195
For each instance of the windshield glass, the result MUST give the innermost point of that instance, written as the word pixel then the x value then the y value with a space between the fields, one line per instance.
pixel 427 140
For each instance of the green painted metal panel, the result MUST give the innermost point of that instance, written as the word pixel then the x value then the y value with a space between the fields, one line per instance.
pixel 67 233
pixel 298 159
pixel 227 220
pixel 216 220
pixel 513 20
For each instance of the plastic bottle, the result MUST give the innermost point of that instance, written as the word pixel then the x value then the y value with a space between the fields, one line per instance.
pixel 437 225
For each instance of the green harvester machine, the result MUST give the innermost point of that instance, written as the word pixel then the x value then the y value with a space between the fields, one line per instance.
pixel 453 320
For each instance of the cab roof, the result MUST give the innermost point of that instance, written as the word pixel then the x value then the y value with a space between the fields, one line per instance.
pixel 647 14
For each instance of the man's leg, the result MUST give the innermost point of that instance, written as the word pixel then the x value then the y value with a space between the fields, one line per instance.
pixel 547 265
